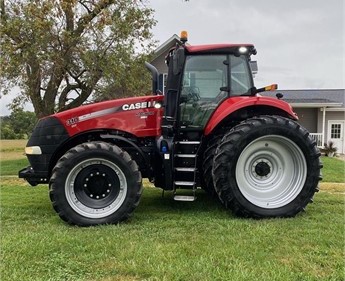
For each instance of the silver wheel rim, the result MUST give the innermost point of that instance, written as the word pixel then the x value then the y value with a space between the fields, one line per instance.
pixel 271 171
pixel 85 210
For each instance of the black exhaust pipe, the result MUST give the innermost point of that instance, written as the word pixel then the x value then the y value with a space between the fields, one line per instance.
pixel 155 78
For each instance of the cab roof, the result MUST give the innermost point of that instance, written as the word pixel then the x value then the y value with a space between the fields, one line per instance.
pixel 219 48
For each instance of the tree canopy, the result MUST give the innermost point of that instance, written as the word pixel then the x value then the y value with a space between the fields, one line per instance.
pixel 18 125
pixel 60 53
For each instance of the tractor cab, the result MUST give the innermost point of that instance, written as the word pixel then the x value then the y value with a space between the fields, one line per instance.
pixel 200 78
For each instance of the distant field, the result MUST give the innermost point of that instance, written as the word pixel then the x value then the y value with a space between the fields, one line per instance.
pixel 12 149
pixel 12 145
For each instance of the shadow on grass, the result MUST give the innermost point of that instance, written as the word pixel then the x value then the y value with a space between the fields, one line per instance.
pixel 155 207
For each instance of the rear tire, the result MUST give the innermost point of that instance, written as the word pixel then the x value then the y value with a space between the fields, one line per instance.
pixel 207 164
pixel 95 183
pixel 266 166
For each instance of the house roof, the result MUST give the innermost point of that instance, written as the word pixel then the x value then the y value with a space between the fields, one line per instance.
pixel 312 98
pixel 166 46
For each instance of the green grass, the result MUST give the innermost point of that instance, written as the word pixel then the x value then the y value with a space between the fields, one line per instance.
pixel 333 169
pixel 169 240
pixel 11 167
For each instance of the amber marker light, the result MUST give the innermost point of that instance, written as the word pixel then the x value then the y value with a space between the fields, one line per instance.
pixel 184 36
pixel 272 87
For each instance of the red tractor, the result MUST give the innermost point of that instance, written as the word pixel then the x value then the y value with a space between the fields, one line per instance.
pixel 211 129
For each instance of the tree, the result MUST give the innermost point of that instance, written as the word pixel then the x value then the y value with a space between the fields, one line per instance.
pixel 18 125
pixel 22 122
pixel 62 52
pixel 6 133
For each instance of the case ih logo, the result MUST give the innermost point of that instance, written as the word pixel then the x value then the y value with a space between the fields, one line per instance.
pixel 138 105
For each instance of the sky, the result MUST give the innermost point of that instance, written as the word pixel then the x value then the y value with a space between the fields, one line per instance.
pixel 300 43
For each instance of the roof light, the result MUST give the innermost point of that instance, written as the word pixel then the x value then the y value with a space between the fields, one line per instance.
pixel 184 36
pixel 243 50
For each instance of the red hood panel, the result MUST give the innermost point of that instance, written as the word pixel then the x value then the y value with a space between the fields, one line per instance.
pixel 137 116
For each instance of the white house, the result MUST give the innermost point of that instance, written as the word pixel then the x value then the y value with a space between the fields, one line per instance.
pixel 321 111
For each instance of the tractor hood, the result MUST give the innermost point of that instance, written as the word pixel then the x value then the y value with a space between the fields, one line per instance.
pixel 139 116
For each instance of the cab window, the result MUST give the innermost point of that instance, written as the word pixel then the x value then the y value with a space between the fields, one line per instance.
pixel 241 79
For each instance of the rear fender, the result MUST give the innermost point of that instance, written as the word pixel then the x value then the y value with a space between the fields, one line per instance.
pixel 241 108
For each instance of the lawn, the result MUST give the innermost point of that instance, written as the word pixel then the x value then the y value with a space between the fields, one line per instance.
pixel 169 240
pixel 334 170
pixel 11 167
pixel 12 157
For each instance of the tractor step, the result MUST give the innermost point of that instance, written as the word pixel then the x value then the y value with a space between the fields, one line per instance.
pixel 186 155
pixel 188 142
pixel 185 169
pixel 184 183
pixel 184 165
pixel 188 198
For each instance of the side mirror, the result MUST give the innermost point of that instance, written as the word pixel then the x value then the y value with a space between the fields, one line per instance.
pixel 254 67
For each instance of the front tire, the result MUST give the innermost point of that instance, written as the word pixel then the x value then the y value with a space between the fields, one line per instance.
pixel 267 166
pixel 95 183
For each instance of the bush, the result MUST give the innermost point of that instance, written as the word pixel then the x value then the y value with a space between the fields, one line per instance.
pixel 329 149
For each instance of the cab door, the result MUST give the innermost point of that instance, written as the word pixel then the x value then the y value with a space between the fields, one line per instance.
pixel 204 86
pixel 207 81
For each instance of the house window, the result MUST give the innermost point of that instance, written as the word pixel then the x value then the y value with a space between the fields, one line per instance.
pixel 335 131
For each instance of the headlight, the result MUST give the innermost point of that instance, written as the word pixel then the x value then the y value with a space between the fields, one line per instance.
pixel 33 150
